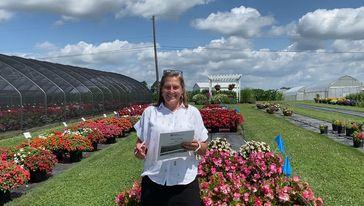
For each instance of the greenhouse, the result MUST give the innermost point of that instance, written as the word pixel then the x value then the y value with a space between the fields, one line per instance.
pixel 339 88
pixel 34 92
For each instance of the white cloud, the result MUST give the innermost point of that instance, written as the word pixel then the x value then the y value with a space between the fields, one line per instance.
pixel 348 45
pixel 288 30
pixel 5 15
pixel 46 46
pixel 346 23
pixel 148 8
pixel 240 21
pixel 98 8
pixel 260 68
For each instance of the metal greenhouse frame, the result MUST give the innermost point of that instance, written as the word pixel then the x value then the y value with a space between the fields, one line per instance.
pixel 35 92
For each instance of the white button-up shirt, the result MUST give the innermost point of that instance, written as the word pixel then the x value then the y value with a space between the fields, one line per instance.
pixel 156 120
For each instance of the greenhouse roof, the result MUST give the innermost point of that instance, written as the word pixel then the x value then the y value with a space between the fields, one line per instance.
pixel 32 82
pixel 294 90
pixel 346 81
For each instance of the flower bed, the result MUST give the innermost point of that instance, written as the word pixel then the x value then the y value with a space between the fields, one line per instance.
pixel 216 119
pixel 36 161
pixel 338 101
pixel 133 110
pixel 228 178
pixel 12 175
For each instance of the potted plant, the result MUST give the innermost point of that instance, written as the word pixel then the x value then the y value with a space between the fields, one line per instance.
pixel 287 112
pixel 358 138
pixel 39 162
pixel 12 175
pixel 350 128
pixel 217 87
pixel 323 129
pixel 340 127
pixel 271 109
pixel 335 124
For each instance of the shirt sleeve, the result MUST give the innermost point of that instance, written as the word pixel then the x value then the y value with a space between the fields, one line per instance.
pixel 142 126
pixel 201 132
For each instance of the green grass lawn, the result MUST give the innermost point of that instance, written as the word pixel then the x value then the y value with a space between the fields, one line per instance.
pixel 322 115
pixel 352 108
pixel 16 139
pixel 94 181
pixel 335 171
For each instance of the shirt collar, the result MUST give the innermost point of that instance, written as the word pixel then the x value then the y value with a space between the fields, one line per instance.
pixel 161 106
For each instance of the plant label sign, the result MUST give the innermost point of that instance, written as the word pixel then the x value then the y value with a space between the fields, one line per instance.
pixel 105 115
pixel 27 135
pixel 65 124
pixel 83 119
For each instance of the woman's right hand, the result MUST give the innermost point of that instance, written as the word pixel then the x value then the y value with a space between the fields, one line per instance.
pixel 140 150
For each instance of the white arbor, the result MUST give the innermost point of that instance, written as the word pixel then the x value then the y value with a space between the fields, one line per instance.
pixel 228 78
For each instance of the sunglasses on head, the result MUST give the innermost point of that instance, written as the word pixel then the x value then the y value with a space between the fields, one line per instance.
pixel 172 72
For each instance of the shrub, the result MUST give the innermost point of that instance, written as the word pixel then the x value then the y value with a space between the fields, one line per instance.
pixel 220 99
pixel 247 96
pixel 199 99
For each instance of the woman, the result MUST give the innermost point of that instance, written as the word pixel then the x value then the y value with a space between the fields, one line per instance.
pixel 170 181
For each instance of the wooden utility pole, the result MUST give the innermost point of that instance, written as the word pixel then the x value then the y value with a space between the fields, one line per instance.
pixel 155 56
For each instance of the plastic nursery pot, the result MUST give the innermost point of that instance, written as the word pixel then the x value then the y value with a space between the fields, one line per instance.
pixel 4 196
pixel 349 132
pixel 358 144
pixel 110 140
pixel 75 156
pixel 340 129
pixel 94 145
pixel 38 176
pixel 323 130
pixel 334 127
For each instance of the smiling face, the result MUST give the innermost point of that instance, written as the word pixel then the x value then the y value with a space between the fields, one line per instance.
pixel 172 91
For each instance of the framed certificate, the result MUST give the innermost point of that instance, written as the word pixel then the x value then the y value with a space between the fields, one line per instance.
pixel 170 144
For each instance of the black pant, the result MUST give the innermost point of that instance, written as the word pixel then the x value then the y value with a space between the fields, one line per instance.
pixel 154 194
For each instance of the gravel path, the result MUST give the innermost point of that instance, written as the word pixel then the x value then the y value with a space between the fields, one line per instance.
pixel 235 139
pixel 342 111
pixel 313 125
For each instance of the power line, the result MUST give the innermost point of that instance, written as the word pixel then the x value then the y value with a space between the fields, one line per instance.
pixel 94 53
pixel 171 47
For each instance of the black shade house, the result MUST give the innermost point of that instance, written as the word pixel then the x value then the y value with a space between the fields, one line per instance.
pixel 35 92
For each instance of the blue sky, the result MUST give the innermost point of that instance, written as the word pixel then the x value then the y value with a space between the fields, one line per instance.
pixel 271 43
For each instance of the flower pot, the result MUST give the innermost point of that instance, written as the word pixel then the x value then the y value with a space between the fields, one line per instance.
pixel 224 129
pixel 110 140
pixel 357 144
pixel 340 129
pixel 38 176
pixel 75 156
pixel 214 129
pixel 323 131
pixel 349 132
pixel 94 145
pixel 4 196
pixel 59 154
pixel 334 127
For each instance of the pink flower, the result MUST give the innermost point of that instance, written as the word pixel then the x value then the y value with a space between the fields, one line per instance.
pixel 236 196
pixel 246 197
pixel 307 194
pixel 283 197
